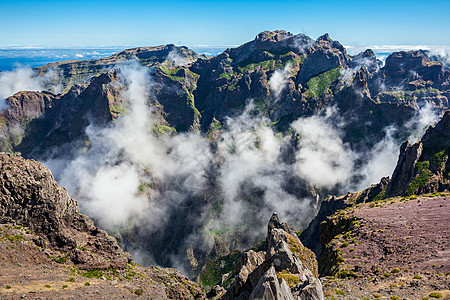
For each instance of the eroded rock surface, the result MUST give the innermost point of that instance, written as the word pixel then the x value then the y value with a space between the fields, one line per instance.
pixel 284 270
pixel 31 197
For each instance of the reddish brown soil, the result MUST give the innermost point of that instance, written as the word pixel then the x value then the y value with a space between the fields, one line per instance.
pixel 26 271
pixel 413 234
pixel 401 248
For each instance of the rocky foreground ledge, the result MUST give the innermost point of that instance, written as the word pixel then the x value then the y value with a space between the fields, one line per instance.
pixel 49 250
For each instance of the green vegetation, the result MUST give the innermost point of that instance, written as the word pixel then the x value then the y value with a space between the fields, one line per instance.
pixel 212 272
pixel 264 65
pixel 339 292
pixel 170 73
pixel 60 259
pixel 291 279
pixel 87 284
pixel 319 85
pixel 163 129
pixel 421 179
pixel 139 292
pixel 347 274
pixel 7 287
pixel 417 277
pixel 47 286
pixel 144 186
pixel 435 295
pixel 116 108
pixel 92 273
pixel 380 196
pixel 439 158
pixel 225 75
pixel 408 95
pixel 71 279
pixel 215 125
pixel 14 238
pixel 307 257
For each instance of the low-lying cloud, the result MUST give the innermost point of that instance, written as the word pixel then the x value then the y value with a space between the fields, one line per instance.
pixel 178 60
pixel 21 79
pixel 278 80
pixel 322 157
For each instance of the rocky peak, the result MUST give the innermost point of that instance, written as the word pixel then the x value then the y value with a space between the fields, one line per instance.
pixel 414 65
pixel 274 222
pixel 27 105
pixel 273 36
pixel 367 59
pixel 263 274
pixel 324 38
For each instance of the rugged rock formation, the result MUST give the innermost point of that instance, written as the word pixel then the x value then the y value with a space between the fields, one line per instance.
pixel 199 94
pixel 21 109
pixel 32 198
pixel 424 167
pixel 281 269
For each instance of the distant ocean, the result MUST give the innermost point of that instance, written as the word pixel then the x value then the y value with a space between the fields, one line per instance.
pixel 35 57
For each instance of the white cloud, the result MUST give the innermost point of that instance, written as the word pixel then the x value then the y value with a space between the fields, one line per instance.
pixel 21 79
pixel 278 80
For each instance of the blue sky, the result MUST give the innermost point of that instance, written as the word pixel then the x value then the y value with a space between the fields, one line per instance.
pixel 145 23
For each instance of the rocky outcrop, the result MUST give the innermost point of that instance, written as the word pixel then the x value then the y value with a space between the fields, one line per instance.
pixel 30 197
pixel 404 171
pixel 270 287
pixel 285 269
pixel 21 109
pixel 367 59
pixel 329 55
pixel 424 166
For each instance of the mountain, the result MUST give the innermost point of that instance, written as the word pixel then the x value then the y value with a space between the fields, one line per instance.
pixel 42 231
pixel 192 91
pixel 192 154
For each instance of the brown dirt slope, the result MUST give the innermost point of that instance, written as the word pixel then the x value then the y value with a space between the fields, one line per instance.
pixel 397 247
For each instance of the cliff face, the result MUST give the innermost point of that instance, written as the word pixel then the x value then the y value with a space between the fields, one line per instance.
pixel 31 198
pixel 287 77
pixel 424 167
